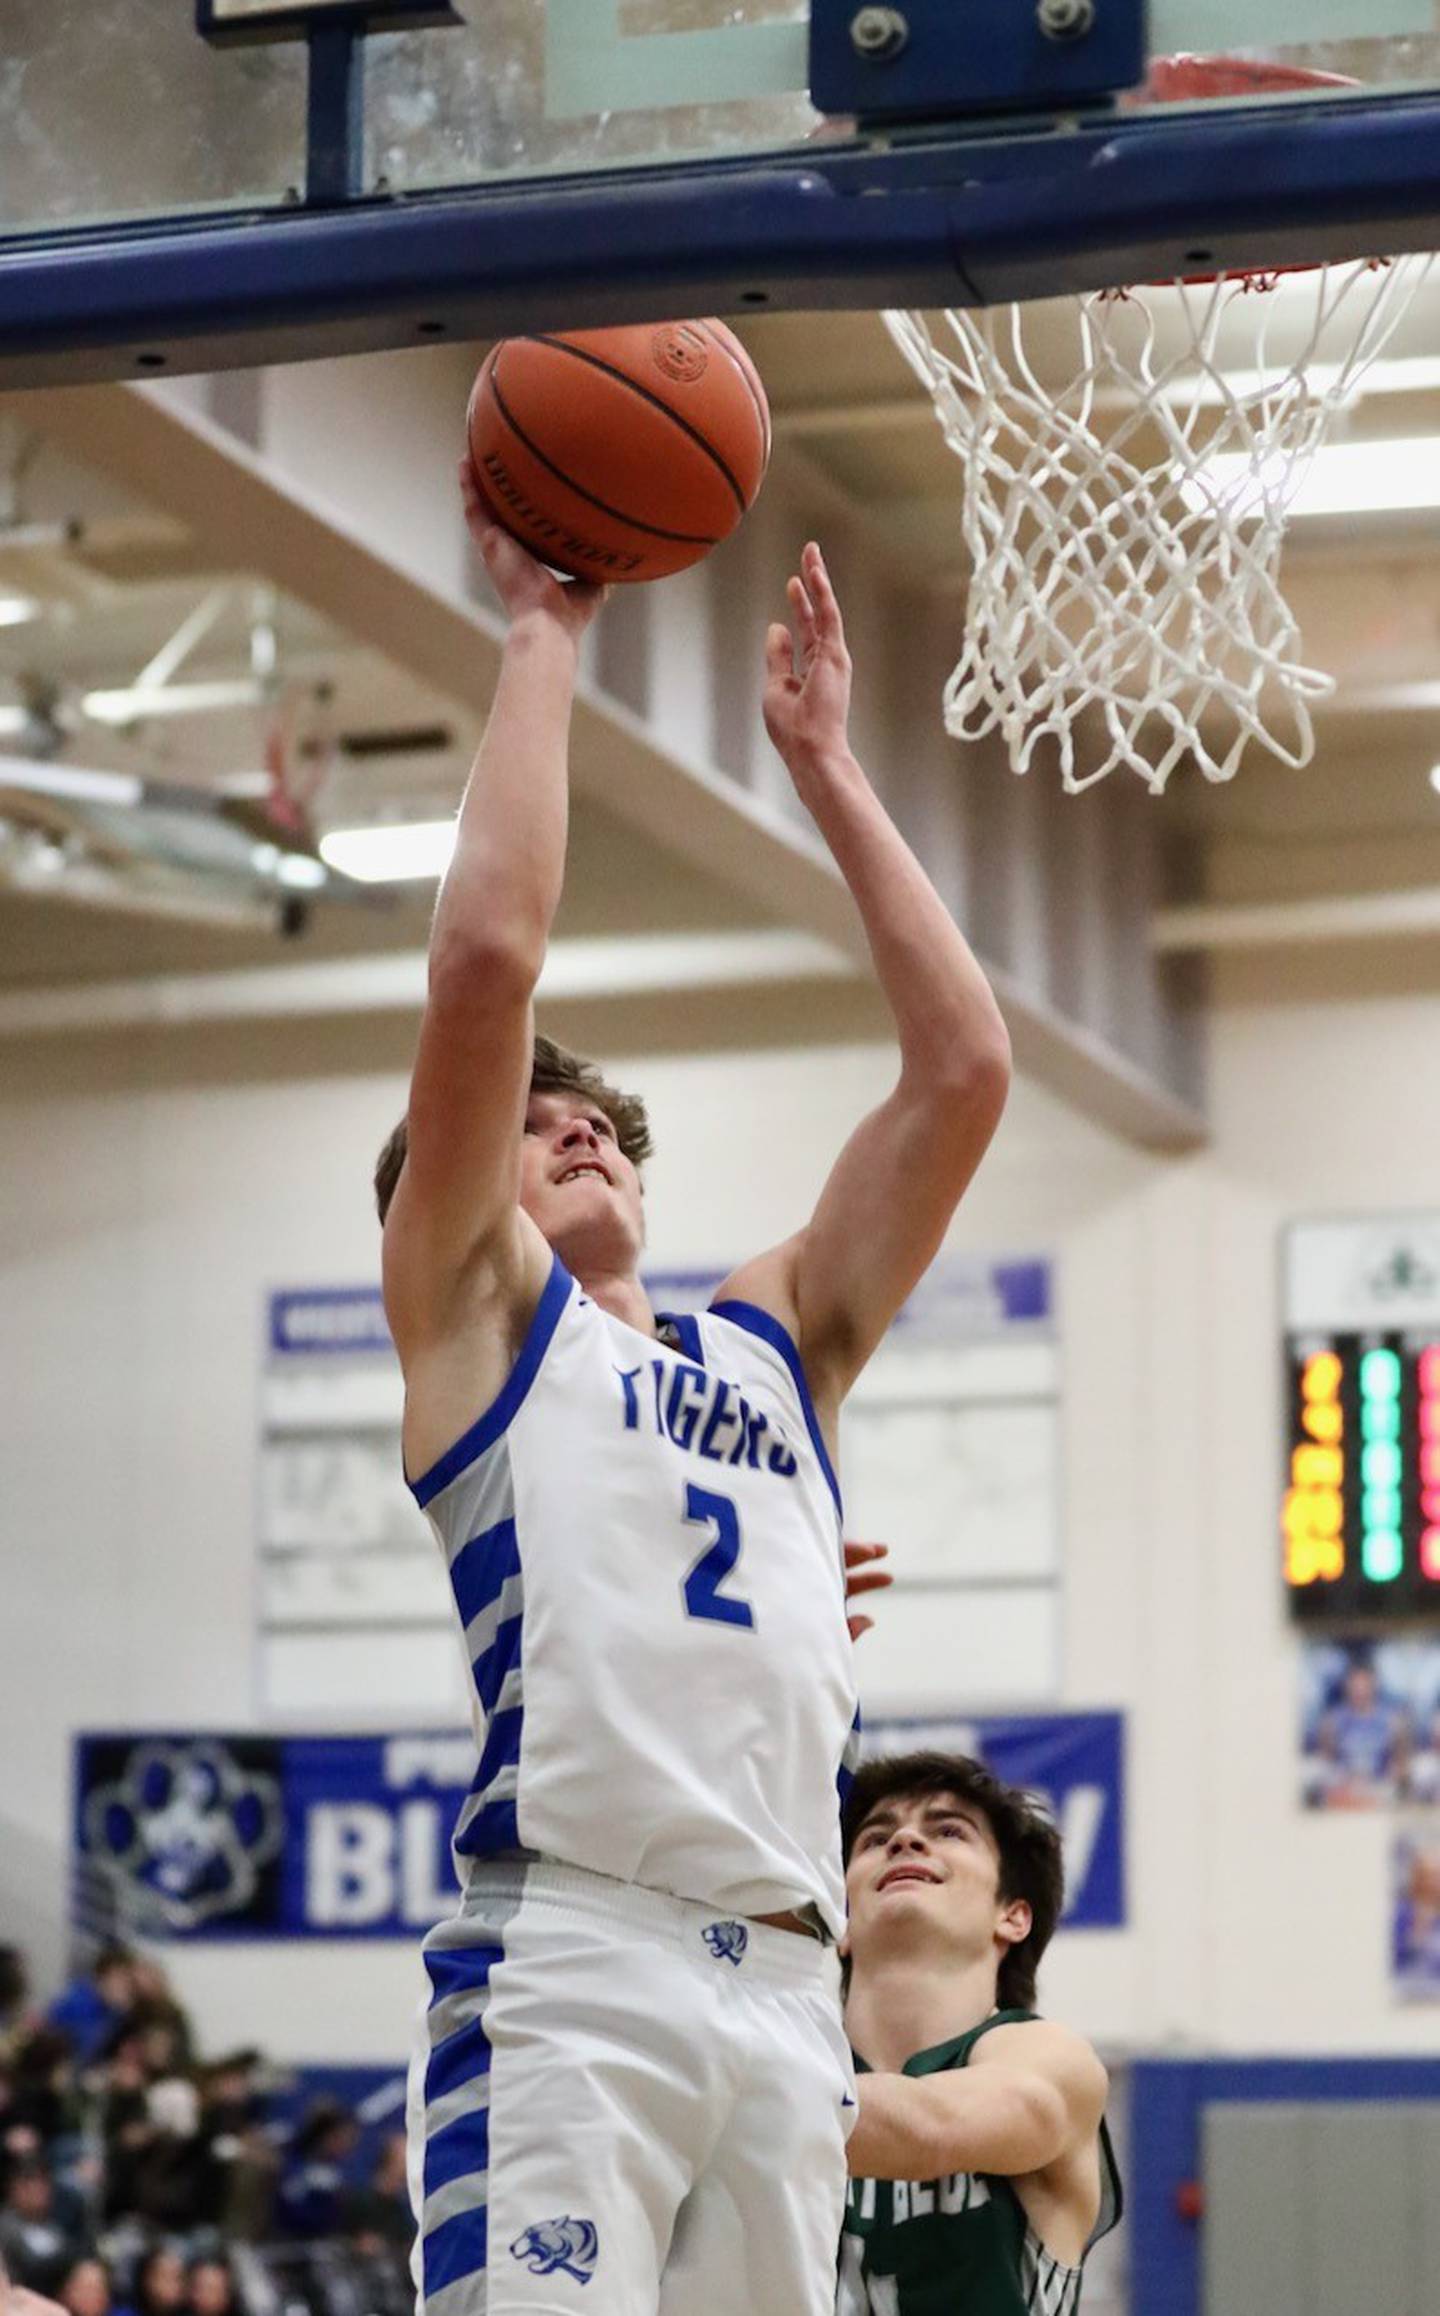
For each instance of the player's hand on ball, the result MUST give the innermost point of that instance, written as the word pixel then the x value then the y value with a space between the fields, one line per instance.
pixel 523 585
pixel 807 674
pixel 862 1575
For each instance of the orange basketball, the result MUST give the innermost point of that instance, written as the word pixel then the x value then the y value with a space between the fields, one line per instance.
pixel 620 454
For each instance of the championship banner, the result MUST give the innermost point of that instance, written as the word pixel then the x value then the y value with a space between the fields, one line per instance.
pixel 213 1836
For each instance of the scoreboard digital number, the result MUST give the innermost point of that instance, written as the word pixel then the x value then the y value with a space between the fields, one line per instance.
pixel 1360 1518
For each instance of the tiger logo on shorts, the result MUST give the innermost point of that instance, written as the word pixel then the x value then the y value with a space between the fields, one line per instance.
pixel 559 2247
pixel 727 1941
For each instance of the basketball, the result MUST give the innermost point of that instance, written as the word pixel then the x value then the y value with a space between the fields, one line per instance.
pixel 620 454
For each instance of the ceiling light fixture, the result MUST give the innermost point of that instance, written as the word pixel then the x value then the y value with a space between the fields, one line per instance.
pixel 67 780
pixel 395 852
pixel 1397 477
pixel 135 701
pixel 301 872
pixel 15 610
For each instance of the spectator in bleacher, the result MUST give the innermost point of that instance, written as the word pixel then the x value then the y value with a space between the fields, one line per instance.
pixel 120 2086
pixel 156 2005
pixel 314 2188
pixel 160 2282
pixel 42 2077
pixel 210 2289
pixel 379 2213
pixel 35 2243
pixel 16 2138
pixel 238 2163
pixel 169 2165
pixel 17 2300
pixel 88 2289
pixel 93 2005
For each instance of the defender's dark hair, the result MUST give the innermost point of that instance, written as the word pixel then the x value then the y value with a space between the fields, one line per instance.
pixel 554 1071
pixel 1031 1864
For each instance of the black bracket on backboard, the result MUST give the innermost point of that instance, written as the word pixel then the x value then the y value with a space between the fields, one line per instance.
pixel 335 32
pixel 933 60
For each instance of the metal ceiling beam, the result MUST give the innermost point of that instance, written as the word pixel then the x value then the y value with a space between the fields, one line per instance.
pixel 260 519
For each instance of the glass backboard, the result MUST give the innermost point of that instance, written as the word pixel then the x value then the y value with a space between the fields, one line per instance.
pixel 137 151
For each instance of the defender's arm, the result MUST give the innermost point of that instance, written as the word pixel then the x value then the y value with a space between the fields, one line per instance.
pixel 1030 2095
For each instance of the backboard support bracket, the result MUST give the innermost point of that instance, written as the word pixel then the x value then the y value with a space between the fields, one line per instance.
pixel 335 32
pixel 931 59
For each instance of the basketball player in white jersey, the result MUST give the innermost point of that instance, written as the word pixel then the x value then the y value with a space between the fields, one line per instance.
pixel 635 2089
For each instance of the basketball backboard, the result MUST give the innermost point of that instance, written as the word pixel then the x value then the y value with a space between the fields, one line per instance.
pixel 181 194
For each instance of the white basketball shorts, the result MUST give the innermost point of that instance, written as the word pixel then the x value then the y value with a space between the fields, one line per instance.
pixel 625 2105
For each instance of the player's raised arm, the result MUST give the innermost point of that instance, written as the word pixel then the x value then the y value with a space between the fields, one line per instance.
pixel 455 1202
pixel 1031 2096
pixel 896 1184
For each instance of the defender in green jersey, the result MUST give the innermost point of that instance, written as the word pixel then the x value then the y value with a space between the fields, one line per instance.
pixel 981 2169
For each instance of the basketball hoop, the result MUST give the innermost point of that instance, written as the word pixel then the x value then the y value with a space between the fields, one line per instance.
pixel 1125 531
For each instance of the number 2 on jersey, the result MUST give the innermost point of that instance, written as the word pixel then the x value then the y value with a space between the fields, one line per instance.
pixel 703 1596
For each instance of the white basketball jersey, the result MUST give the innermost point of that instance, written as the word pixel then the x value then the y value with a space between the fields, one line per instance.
pixel 645 1551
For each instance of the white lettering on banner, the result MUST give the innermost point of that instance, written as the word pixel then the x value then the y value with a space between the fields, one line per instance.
pixel 423 1901
pixel 442 1761
pixel 349 1864
pixel 366 1864
pixel 922 2200
pixel 1082 1813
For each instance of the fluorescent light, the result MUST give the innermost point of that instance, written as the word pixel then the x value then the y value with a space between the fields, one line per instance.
pixel 301 872
pixel 67 780
pixel 245 786
pixel 128 705
pixel 1399 476
pixel 1410 374
pixel 390 853
pixel 1435 778
pixel 16 609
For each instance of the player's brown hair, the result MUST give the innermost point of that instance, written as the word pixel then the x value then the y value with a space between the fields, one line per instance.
pixel 553 1071
pixel 1031 1863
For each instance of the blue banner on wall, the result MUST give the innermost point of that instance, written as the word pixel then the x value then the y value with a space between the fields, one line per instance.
pixel 216 1836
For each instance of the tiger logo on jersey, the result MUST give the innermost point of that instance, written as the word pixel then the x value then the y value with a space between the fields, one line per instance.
pixel 560 2247
pixel 727 1941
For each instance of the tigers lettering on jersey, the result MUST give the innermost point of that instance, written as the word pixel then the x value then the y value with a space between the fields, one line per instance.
pixel 704 1415
pixel 643 1538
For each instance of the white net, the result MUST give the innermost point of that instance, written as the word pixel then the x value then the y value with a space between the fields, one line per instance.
pixel 1125 529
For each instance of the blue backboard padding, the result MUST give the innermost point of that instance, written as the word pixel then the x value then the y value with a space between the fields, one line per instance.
pixel 963 221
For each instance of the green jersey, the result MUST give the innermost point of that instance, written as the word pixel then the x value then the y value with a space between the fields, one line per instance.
pixel 961 2246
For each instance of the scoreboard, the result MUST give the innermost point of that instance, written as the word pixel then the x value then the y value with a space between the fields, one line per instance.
pixel 1360 1520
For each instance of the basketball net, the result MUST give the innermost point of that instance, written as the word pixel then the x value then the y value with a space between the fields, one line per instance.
pixel 1125 531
